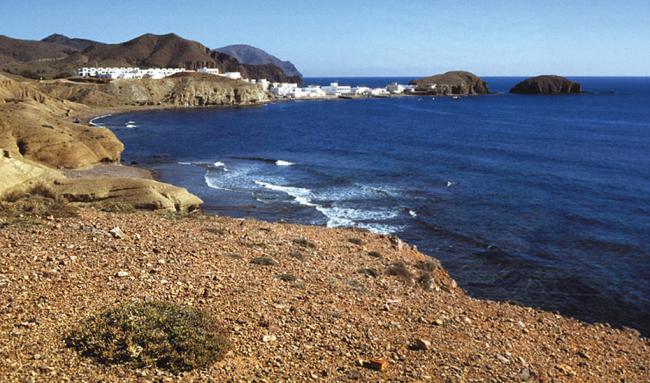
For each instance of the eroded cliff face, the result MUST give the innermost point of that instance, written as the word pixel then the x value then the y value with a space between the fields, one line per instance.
pixel 39 128
pixel 183 90
pixel 38 135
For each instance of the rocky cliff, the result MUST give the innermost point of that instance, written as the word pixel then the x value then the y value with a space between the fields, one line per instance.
pixel 452 83
pixel 546 85
pixel 38 135
pixel 183 89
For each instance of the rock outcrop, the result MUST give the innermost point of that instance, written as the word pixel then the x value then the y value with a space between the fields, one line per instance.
pixel 183 89
pixel 459 83
pixel 40 128
pixel 141 193
pixel 38 135
pixel 547 85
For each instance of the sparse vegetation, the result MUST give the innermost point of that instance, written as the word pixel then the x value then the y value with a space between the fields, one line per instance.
pixel 297 255
pixel 165 335
pixel 287 277
pixel 369 272
pixel 215 230
pixel 375 254
pixel 116 207
pixel 429 265
pixel 38 201
pixel 426 280
pixel 355 241
pixel 401 271
pixel 264 261
pixel 304 242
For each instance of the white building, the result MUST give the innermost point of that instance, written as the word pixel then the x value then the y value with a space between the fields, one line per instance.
pixel 361 91
pixel 334 89
pixel 284 89
pixel 128 72
pixel 233 75
pixel 214 71
pixel 395 88
pixel 379 92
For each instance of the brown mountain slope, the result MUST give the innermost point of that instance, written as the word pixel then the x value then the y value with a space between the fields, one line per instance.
pixel 59 56
pixel 151 50
pixel 16 50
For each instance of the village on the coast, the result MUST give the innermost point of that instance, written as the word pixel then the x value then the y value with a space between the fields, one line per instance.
pixel 281 90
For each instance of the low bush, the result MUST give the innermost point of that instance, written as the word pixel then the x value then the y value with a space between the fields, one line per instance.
pixel 355 241
pixel 305 243
pixel 264 261
pixel 401 271
pixel 151 334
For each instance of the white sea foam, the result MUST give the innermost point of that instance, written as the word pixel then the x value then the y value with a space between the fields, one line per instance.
pixel 283 163
pixel 131 126
pixel 300 195
pixel 212 182
pixel 131 122
pixel 412 213
pixel 92 122
pixel 222 165
pixel 184 163
pixel 450 184
pixel 380 228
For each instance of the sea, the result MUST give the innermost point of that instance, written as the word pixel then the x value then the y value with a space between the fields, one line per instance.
pixel 539 200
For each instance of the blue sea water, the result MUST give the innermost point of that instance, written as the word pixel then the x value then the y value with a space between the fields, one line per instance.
pixel 537 199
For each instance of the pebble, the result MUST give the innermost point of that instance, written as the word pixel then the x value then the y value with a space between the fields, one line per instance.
pixel 421 345
pixel 269 338
pixel 116 232
pixel 122 274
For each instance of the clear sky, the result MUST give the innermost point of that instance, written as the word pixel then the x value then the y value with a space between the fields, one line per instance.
pixel 374 37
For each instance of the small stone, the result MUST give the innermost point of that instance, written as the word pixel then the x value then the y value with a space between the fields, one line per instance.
pixel 503 359
pixel 116 232
pixel 421 345
pixel 438 322
pixel 379 364
pixel 269 338
pixel 524 374
pixel 122 274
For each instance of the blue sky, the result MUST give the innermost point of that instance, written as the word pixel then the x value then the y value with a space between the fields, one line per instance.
pixel 375 37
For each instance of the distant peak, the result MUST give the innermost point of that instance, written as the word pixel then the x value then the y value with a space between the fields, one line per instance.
pixel 56 36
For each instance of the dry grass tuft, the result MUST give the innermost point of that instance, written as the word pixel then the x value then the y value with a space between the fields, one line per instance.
pixel 304 242
pixel 264 261
pixel 401 271
pixel 156 334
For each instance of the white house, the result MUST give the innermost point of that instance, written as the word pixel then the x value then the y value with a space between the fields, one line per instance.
pixel 334 89
pixel 214 71
pixel 233 75
pixel 284 89
pixel 128 72
pixel 395 88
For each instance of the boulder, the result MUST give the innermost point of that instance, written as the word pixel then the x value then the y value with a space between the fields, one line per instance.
pixel 546 85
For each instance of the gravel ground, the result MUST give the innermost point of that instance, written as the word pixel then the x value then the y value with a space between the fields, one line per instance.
pixel 342 310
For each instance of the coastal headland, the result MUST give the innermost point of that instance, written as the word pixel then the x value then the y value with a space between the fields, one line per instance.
pixel 296 302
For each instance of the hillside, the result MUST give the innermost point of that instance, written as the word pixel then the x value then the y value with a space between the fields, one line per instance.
pixel 247 54
pixel 58 56
pixel 74 43
pixel 297 303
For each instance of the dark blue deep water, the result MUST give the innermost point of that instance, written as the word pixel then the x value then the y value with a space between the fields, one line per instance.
pixel 537 199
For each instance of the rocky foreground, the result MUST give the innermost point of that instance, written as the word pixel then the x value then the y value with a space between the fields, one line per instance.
pixel 298 303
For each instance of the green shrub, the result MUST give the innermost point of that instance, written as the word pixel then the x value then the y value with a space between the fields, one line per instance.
pixel 305 243
pixel 355 241
pixel 151 334
pixel 369 272
pixel 116 207
pixel 375 254
pixel 400 271
pixel 264 261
